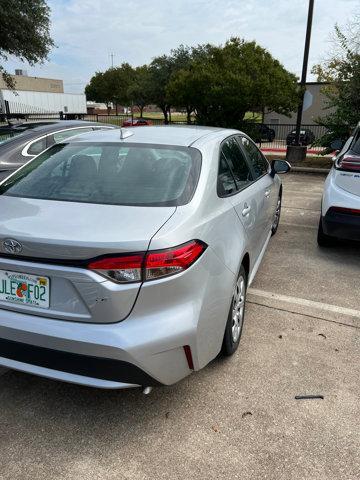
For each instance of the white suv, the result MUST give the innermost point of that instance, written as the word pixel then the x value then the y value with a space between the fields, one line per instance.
pixel 340 210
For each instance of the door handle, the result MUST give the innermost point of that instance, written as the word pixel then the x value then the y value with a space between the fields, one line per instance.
pixel 246 210
pixel 267 193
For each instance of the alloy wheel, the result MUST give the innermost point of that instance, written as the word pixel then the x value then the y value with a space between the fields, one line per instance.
pixel 277 215
pixel 238 308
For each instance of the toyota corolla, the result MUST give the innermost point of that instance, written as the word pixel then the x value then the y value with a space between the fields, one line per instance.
pixel 125 255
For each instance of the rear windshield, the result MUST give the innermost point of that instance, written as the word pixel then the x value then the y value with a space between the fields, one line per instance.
pixel 355 145
pixel 116 174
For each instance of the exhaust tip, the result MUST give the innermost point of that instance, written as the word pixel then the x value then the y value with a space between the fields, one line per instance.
pixel 147 390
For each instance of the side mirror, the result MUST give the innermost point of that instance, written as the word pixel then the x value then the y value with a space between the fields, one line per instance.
pixel 337 144
pixel 280 166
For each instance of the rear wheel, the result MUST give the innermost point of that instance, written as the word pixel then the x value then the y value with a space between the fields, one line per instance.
pixel 276 221
pixel 323 239
pixel 235 320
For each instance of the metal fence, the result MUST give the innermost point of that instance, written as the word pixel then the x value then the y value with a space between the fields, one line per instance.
pixel 120 119
pixel 276 137
pixel 269 137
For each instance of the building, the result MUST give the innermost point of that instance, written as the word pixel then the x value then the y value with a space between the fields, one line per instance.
pixel 33 84
pixel 36 95
pixel 315 104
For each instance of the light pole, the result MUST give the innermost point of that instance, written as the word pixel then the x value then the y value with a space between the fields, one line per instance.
pixel 297 152
pixel 112 55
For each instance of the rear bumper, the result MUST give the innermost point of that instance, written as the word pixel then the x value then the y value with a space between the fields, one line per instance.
pixel 139 351
pixel 341 225
pixel 104 370
pixel 147 348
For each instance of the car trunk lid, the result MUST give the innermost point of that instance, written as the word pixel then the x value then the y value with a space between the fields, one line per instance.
pixel 57 237
pixel 49 229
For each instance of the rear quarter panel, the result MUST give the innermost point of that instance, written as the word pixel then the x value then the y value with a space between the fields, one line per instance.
pixel 214 221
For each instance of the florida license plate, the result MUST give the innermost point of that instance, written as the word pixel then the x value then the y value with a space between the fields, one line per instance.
pixel 21 288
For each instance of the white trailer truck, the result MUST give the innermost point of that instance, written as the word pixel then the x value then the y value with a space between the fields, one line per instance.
pixel 28 102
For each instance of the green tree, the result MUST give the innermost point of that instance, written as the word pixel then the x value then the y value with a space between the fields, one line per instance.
pixel 182 89
pixel 139 92
pixel 24 33
pixel 111 86
pixel 98 89
pixel 342 70
pixel 223 83
pixel 160 71
pixel 119 80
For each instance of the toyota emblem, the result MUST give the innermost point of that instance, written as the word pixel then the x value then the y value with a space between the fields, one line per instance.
pixel 12 246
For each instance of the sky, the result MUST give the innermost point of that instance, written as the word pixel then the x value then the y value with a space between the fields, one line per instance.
pixel 86 32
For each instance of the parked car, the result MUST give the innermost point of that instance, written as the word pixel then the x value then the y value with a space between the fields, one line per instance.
pixel 136 122
pixel 307 137
pixel 264 133
pixel 21 142
pixel 340 209
pixel 125 260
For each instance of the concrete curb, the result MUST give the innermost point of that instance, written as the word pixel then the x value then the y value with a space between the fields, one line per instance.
pixel 323 171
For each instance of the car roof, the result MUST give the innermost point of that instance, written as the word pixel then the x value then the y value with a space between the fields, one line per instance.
pixel 181 135
pixel 45 126
pixel 29 134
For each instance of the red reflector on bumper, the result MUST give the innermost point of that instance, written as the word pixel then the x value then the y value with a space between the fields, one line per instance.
pixel 348 211
pixel 188 355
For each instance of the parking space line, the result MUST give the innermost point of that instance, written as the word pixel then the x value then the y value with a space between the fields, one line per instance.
pixel 305 303
pixel 300 208
pixel 302 314
pixel 285 224
pixel 311 196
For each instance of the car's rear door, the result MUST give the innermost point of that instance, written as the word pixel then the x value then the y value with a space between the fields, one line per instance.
pixel 268 194
pixel 236 182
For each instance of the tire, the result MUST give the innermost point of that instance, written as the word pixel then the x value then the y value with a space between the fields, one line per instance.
pixel 277 215
pixel 235 322
pixel 324 240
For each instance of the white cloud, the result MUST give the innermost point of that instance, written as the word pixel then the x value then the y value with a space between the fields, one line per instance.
pixel 86 31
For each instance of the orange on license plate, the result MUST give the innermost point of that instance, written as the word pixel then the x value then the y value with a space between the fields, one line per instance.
pixel 21 288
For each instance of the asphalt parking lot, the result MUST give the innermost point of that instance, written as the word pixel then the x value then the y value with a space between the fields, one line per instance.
pixel 237 418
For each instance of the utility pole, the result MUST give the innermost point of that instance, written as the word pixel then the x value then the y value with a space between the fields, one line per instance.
pixel 304 70
pixel 112 55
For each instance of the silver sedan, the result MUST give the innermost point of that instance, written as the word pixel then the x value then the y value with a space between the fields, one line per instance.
pixel 125 255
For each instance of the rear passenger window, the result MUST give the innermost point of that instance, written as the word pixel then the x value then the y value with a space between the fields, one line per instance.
pixel 236 161
pixel 226 182
pixel 257 160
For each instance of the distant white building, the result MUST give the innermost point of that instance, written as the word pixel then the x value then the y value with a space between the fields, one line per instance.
pixel 38 95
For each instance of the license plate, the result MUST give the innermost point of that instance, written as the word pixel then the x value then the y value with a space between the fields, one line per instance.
pixel 24 289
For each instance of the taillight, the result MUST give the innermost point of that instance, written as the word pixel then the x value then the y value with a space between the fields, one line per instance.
pixel 122 269
pixel 347 211
pixel 154 264
pixel 167 262
pixel 349 162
